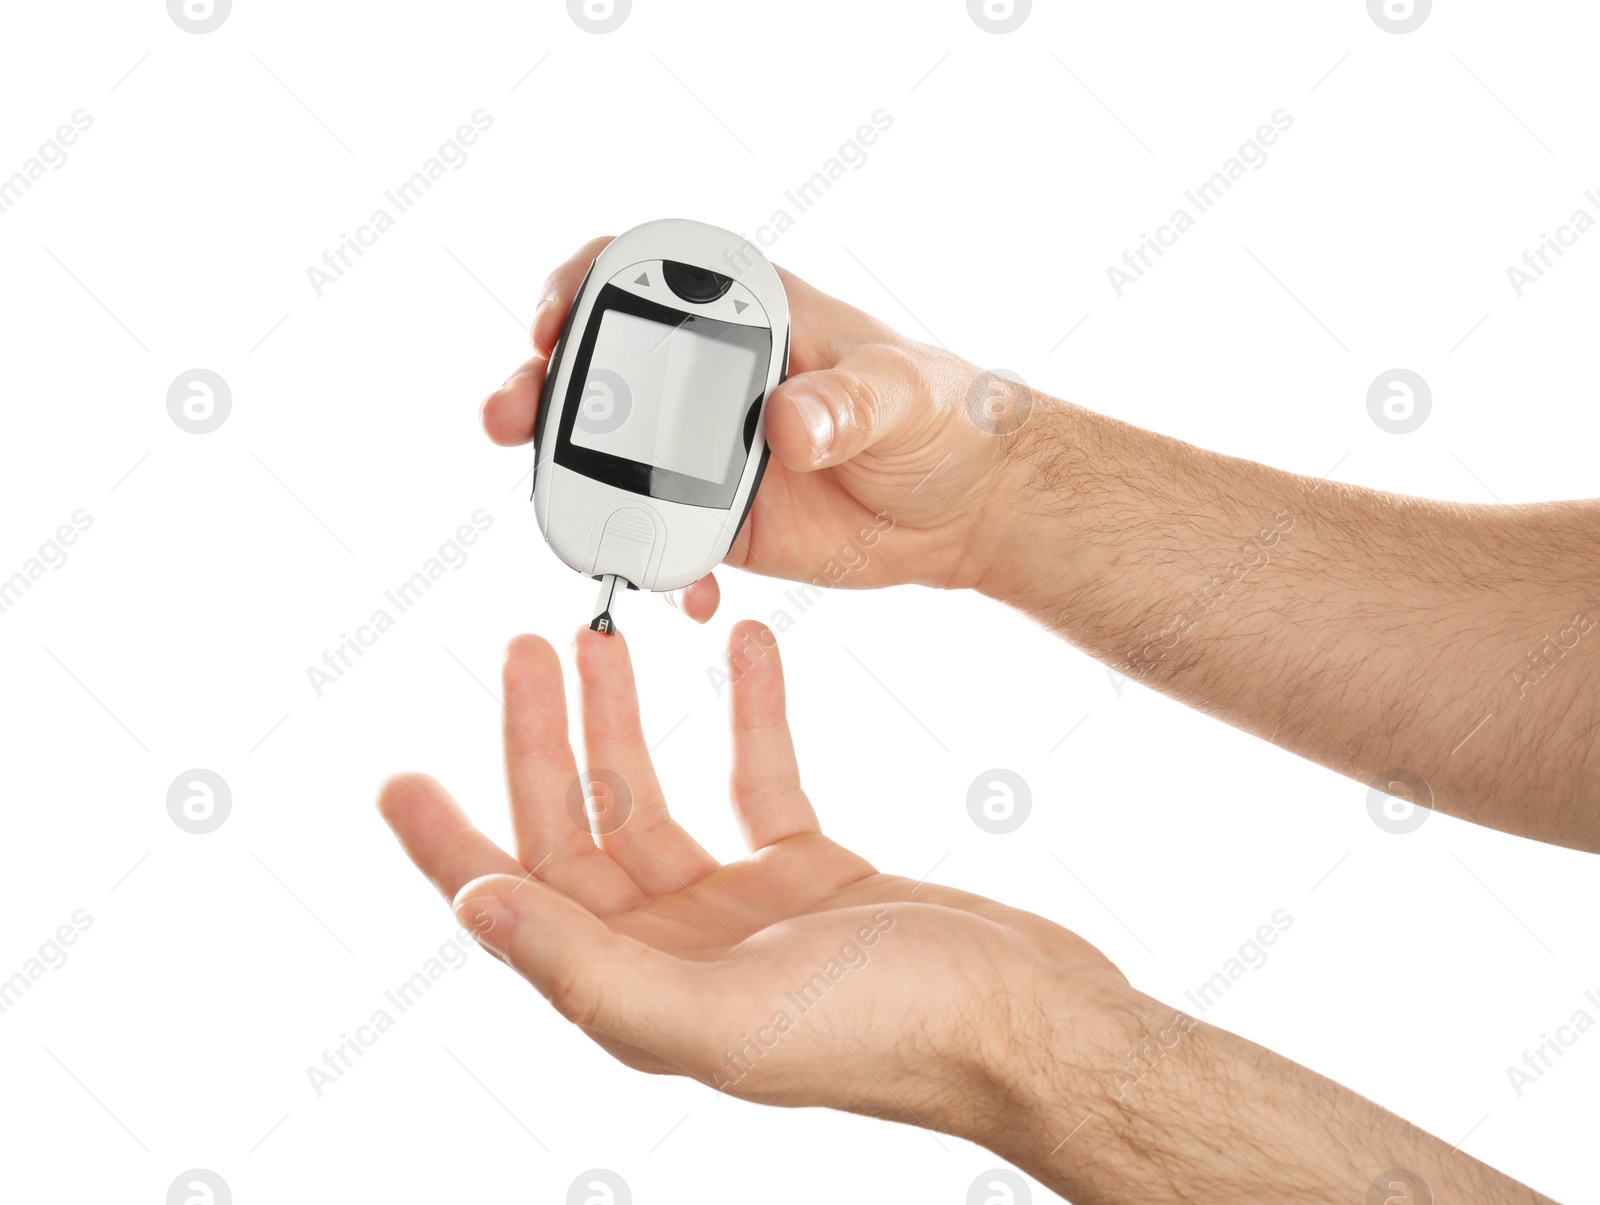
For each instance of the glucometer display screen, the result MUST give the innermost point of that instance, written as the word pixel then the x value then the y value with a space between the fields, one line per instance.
pixel 667 396
pixel 662 402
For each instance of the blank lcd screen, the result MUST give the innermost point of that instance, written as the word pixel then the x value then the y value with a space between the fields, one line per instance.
pixel 670 397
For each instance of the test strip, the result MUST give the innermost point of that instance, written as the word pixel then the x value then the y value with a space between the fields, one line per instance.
pixel 602 622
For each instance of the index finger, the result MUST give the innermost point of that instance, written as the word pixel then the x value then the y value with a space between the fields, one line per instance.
pixel 509 412
pixel 823 328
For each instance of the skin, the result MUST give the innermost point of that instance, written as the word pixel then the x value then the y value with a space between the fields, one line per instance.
pixel 1369 632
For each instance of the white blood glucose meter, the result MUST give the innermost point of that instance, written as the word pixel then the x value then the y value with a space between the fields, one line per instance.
pixel 651 441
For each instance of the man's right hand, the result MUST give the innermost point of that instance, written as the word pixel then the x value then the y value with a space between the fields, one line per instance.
pixel 871 432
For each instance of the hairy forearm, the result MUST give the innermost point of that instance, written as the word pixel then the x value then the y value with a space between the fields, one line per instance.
pixel 1194 1114
pixel 1370 632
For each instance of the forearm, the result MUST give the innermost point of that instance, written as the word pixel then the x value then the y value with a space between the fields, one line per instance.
pixel 1193 1114
pixel 1367 631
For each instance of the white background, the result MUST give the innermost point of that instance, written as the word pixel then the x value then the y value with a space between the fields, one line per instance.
pixel 220 566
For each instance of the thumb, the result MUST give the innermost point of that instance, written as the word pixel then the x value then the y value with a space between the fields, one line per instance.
pixel 594 977
pixel 823 418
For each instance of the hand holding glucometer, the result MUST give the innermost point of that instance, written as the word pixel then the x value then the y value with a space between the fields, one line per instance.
pixel 887 465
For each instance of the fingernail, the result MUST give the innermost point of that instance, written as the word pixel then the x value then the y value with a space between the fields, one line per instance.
pixel 490 921
pixel 818 420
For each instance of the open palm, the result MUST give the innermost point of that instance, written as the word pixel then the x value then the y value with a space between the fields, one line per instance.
pixel 797 975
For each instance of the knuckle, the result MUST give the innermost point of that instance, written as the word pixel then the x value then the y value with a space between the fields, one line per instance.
pixel 861 400
pixel 555 286
pixel 577 999
pixel 905 370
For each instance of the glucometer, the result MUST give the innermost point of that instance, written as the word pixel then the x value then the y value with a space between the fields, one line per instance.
pixel 651 440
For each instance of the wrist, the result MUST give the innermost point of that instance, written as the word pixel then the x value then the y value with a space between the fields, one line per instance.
pixel 1119 1101
pixel 1128 1110
pixel 1056 1062
pixel 1032 551
pixel 1153 1106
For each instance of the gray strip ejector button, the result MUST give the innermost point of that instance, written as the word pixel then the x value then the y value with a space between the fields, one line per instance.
pixel 625 544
